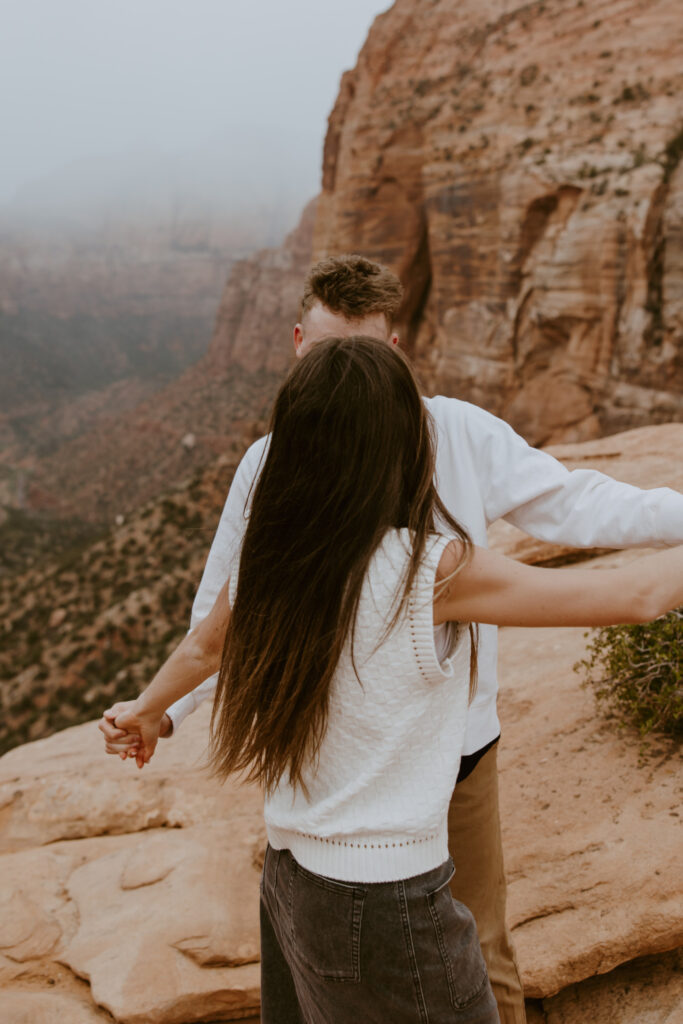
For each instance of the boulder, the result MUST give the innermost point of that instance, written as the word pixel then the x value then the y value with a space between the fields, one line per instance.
pixel 645 992
pixel 144 884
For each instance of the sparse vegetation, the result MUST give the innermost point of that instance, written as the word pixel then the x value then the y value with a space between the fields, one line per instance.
pixel 640 156
pixel 637 673
pixel 633 94
pixel 529 74
pixel 123 602
pixel 673 152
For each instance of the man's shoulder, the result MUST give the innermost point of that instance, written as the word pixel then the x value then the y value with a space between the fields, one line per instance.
pixel 257 448
pixel 247 472
pixel 455 414
pixel 253 457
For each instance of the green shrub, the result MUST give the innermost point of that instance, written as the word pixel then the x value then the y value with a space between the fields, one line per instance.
pixel 637 672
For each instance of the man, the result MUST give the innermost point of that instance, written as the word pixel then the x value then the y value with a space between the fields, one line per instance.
pixel 484 472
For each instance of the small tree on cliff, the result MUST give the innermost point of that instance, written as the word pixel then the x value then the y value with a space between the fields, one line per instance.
pixel 637 672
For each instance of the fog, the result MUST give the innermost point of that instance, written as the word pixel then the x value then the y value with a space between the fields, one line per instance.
pixel 168 108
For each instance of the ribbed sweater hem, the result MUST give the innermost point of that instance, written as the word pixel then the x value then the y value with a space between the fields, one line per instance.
pixel 364 858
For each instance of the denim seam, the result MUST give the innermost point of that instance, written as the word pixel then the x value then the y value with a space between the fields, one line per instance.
pixel 262 882
pixel 410 949
pixel 458 1004
pixel 290 897
pixel 358 904
pixel 442 949
pixel 275 878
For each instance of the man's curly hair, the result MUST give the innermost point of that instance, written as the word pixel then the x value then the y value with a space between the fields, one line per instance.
pixel 353 286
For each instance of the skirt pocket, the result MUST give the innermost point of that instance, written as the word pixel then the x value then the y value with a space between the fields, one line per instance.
pixel 325 920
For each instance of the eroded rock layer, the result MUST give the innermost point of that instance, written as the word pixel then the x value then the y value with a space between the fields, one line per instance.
pixel 519 166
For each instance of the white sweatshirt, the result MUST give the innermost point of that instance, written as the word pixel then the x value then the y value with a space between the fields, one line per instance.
pixel 484 472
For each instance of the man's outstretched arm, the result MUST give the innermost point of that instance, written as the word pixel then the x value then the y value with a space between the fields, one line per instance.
pixel 582 508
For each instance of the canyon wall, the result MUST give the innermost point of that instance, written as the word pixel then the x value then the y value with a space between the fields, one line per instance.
pixel 519 167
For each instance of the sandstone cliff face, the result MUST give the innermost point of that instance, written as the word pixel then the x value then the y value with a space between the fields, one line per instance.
pixel 260 305
pixel 519 166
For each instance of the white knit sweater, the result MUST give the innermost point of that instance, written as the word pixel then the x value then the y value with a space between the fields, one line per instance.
pixel 378 796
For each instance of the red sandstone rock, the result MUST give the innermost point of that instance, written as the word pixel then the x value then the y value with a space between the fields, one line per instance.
pixel 518 166
pixel 646 992
pixel 588 887
pixel 261 304
pixel 162 923
pixel 23 1006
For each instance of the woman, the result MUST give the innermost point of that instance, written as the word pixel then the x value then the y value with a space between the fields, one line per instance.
pixel 346 663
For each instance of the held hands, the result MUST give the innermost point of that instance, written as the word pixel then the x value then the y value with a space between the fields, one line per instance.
pixel 130 731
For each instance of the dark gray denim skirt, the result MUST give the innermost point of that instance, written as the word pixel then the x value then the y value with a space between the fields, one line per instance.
pixel 398 952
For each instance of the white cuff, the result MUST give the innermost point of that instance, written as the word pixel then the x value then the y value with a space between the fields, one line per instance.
pixel 179 711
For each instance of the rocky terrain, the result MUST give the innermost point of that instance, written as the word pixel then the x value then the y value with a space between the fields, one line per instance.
pixel 133 897
pixel 519 166
pixel 99 618
pixel 125 895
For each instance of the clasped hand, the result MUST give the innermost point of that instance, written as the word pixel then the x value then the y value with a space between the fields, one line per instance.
pixel 131 732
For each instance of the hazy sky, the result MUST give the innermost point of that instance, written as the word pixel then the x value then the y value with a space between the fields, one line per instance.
pixel 90 87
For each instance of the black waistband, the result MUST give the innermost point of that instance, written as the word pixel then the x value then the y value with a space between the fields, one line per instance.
pixel 470 761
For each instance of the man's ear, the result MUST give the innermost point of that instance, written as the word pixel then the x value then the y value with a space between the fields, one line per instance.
pixel 393 340
pixel 298 340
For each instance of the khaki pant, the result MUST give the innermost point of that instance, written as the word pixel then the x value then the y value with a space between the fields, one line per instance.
pixel 475 845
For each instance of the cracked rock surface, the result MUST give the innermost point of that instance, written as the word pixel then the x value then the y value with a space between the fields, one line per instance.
pixel 142 884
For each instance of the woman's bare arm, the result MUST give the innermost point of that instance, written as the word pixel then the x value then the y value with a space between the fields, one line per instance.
pixel 195 658
pixel 498 590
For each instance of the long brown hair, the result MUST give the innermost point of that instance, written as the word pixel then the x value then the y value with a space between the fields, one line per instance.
pixel 350 456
